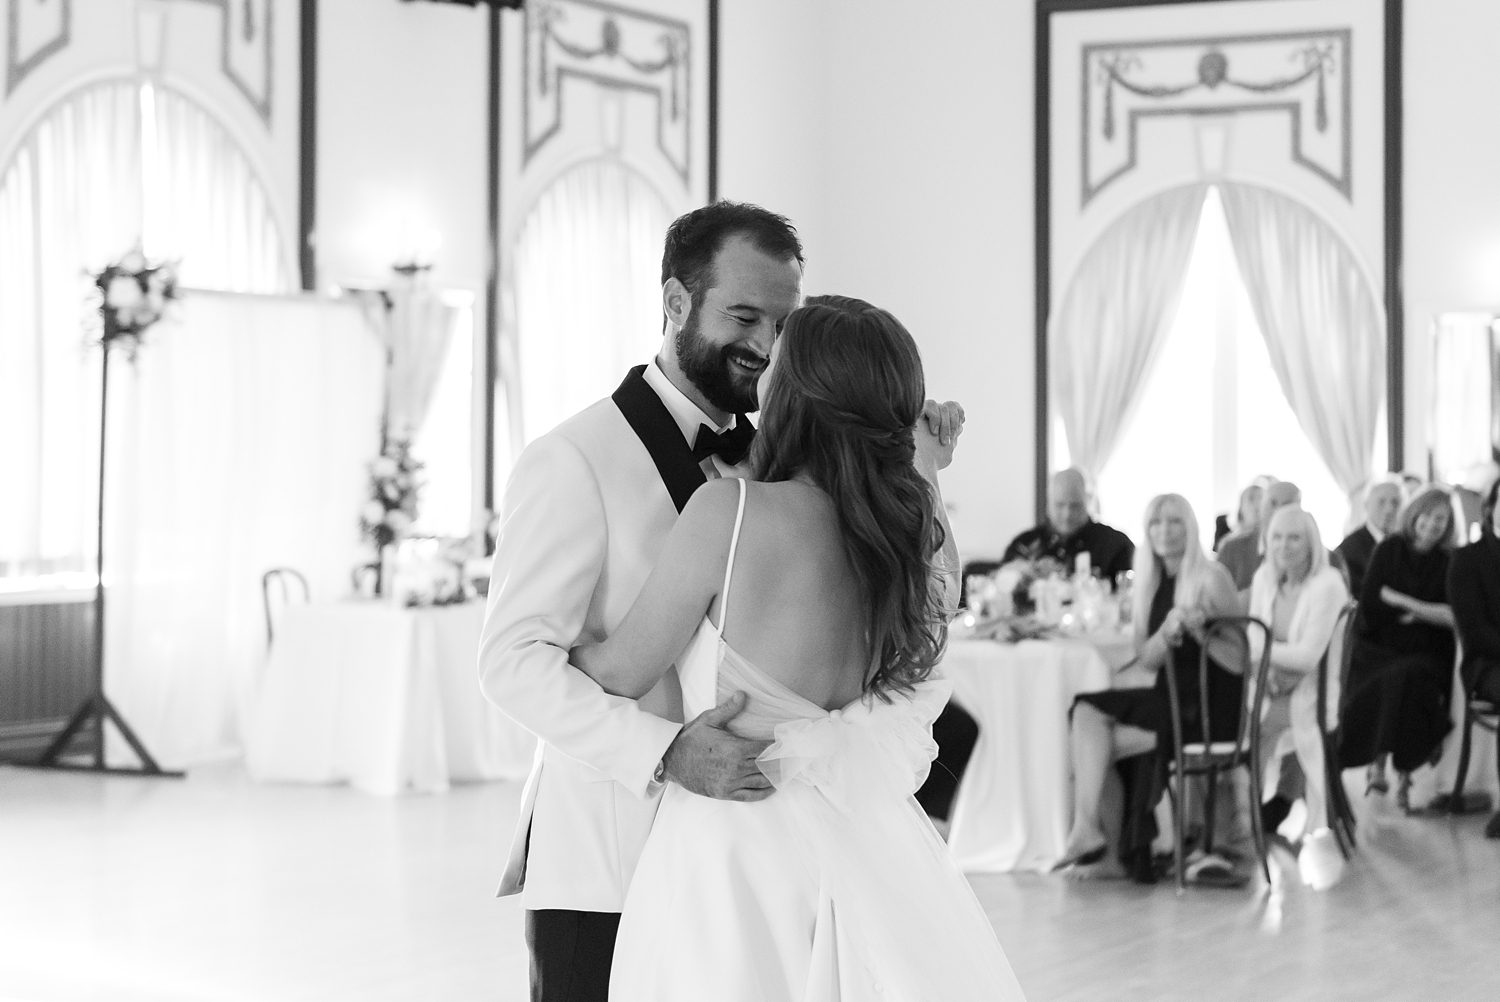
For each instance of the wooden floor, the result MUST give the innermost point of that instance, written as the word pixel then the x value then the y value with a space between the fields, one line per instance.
pixel 214 888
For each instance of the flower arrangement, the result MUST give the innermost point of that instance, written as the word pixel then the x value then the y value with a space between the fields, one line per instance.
pixel 133 295
pixel 394 490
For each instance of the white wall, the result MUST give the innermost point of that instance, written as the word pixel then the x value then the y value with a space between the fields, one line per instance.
pixel 899 138
pixel 402 139
pixel 1452 182
pixel 904 134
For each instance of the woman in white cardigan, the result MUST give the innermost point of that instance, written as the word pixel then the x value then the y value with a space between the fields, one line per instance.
pixel 1299 595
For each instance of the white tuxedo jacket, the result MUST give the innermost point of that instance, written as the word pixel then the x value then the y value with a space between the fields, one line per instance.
pixel 584 517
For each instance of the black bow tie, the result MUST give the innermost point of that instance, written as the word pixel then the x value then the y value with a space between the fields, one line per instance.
pixel 730 446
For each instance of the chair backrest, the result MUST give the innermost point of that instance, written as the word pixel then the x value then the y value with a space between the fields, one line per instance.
pixel 280 587
pixel 1333 667
pixel 1255 681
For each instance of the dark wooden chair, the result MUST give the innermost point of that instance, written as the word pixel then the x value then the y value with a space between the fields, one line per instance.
pixel 1478 712
pixel 1201 755
pixel 280 587
pixel 1336 659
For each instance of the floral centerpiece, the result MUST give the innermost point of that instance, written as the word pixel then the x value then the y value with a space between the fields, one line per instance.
pixel 394 494
pixel 133 295
pixel 1017 581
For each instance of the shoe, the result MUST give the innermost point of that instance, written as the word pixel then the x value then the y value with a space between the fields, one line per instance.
pixel 1321 864
pixel 1377 783
pixel 1492 830
pixel 1214 870
pixel 1087 858
pixel 1403 792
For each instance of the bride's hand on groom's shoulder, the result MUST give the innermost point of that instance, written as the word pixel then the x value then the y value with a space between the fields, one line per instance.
pixel 708 759
pixel 938 430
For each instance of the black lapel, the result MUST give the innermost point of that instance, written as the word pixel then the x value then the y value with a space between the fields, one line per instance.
pixel 652 423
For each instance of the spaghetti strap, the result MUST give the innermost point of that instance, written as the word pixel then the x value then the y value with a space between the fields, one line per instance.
pixel 734 542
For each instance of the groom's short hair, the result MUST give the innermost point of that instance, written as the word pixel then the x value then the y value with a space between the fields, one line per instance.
pixel 695 238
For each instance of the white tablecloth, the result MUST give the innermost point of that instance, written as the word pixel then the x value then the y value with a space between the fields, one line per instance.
pixel 382 697
pixel 1014 803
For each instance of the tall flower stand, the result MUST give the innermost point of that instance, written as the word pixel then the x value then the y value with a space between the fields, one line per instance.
pixel 96 708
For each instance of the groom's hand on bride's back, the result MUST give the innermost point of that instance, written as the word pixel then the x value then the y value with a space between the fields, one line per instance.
pixel 712 761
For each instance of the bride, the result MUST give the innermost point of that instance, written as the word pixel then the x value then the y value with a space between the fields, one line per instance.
pixel 813 590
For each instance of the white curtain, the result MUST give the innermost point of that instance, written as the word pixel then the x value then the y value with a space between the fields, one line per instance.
pixel 204 203
pixel 1107 330
pixel 68 205
pixel 237 442
pixel 587 293
pixel 1322 325
pixel 420 326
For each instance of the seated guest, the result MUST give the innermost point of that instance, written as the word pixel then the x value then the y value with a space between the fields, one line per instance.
pixel 1069 530
pixel 1382 506
pixel 1177 589
pixel 1299 596
pixel 1247 515
pixel 1401 669
pixel 1241 552
pixel 1474 594
pixel 1469 498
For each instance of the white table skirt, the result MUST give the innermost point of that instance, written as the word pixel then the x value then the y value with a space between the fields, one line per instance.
pixel 1013 806
pixel 382 697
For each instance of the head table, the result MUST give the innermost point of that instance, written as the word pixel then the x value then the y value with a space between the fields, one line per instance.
pixel 1014 802
pixel 382 697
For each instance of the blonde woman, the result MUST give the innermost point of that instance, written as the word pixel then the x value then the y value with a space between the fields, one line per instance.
pixel 1177 589
pixel 1299 595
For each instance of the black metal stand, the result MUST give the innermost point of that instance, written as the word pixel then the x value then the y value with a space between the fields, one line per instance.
pixel 97 707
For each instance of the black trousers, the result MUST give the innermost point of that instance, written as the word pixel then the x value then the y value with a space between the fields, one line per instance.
pixel 955 733
pixel 571 953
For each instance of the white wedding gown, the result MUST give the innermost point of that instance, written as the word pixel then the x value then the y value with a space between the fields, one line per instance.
pixel 836 887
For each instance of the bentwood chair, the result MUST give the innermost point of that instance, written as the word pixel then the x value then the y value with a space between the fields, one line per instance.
pixel 1478 712
pixel 280 587
pixel 1210 756
pixel 1333 676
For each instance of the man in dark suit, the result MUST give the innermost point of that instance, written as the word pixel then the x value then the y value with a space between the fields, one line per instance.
pixel 1382 506
pixel 1069 530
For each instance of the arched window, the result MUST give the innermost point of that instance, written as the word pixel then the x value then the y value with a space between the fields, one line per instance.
pixel 107 166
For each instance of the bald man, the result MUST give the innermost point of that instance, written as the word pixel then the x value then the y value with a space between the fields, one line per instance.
pixel 1069 530
pixel 1241 552
pixel 1382 506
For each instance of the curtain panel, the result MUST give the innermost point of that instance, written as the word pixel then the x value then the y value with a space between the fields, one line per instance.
pixel 1114 315
pixel 1322 325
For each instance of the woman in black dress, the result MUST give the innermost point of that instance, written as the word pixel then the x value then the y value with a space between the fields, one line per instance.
pixel 1474 594
pixel 1401 671
pixel 1178 588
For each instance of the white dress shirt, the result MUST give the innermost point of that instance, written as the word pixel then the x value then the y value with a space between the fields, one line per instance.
pixel 689 416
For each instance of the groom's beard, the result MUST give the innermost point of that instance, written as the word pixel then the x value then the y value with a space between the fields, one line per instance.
pixel 709 367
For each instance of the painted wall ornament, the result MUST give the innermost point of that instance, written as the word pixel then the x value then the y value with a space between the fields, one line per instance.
pixel 612 47
pixel 36 31
pixel 1303 75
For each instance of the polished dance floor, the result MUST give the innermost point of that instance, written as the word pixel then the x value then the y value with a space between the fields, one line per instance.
pixel 214 888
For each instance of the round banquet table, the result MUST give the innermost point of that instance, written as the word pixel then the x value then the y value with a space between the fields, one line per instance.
pixel 1013 805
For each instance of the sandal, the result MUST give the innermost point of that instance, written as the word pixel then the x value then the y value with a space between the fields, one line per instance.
pixel 1376 782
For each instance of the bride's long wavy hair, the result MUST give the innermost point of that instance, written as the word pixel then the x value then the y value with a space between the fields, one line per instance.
pixel 848 393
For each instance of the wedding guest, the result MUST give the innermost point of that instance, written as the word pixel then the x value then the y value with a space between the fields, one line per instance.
pixel 1401 670
pixel 1177 590
pixel 1299 596
pixel 1070 530
pixel 1469 498
pixel 1474 594
pixel 1241 553
pixel 1247 515
pixel 1382 507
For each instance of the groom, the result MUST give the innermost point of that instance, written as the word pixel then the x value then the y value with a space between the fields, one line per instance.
pixel 584 516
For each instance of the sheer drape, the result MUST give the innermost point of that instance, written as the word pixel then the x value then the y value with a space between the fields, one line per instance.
pixel 81 190
pixel 420 327
pixel 1323 328
pixel 587 292
pixel 67 204
pixel 238 442
pixel 1111 321
pixel 205 204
